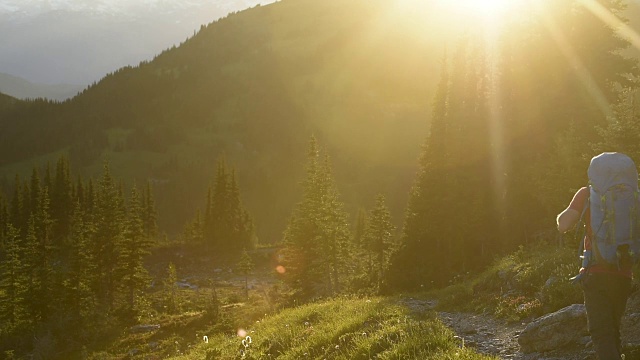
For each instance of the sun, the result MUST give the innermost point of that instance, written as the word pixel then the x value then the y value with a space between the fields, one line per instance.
pixel 488 6
pixel 486 10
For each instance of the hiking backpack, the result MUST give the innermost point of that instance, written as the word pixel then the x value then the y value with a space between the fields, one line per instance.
pixel 614 209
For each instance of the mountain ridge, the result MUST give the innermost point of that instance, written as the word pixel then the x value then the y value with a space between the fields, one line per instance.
pixel 23 89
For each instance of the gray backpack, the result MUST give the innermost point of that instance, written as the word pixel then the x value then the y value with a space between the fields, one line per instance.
pixel 614 209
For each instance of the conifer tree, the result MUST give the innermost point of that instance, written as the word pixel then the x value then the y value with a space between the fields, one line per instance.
pixel 4 219
pixel 170 289
pixel 622 129
pixel 150 214
pixel 317 238
pixel 245 266
pixel 17 205
pixel 12 283
pixel 30 258
pixel 34 191
pixel 79 192
pixel 108 215
pixel 89 205
pixel 429 199
pixel 81 279
pixel 193 231
pixel 454 180
pixel 132 249
pixel 238 219
pixel 43 257
pixel 227 226
pixel 361 223
pixel 61 199
pixel 378 237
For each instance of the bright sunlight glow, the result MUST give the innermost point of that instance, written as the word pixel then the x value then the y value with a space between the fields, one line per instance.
pixel 488 10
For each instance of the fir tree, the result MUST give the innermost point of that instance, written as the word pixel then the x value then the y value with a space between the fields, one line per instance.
pixel 132 250
pixel 12 283
pixel 44 252
pixel 149 213
pixel 81 279
pixel 108 215
pixel 172 302
pixel 361 224
pixel 245 266
pixel 378 238
pixel 317 252
pixel 61 199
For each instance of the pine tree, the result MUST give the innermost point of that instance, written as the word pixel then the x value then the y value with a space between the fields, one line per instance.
pixel 194 231
pixel 227 226
pixel 220 195
pixel 30 258
pixel 317 238
pixel 150 214
pixel 172 302
pixel 238 219
pixel 4 220
pixel 245 266
pixel 12 283
pixel 61 200
pixel 423 240
pixel 132 250
pixel 622 128
pixel 378 237
pixel 17 205
pixel 81 279
pixel 34 191
pixel 108 214
pixel 361 223
pixel 44 256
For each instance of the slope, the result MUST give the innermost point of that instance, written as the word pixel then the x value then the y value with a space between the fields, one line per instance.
pixel 253 86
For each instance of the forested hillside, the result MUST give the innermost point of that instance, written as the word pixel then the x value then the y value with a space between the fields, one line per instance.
pixel 381 145
pixel 6 100
pixel 254 86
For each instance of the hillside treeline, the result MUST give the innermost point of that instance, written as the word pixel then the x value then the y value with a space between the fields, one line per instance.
pixel 73 252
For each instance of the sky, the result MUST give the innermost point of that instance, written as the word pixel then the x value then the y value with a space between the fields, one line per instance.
pixel 80 41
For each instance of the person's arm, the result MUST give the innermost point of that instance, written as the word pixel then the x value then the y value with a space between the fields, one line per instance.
pixel 570 216
pixel 567 219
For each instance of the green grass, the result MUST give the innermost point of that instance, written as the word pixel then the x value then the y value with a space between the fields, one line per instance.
pixel 528 283
pixel 345 328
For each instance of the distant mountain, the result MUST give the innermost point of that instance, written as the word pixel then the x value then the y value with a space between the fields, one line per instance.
pixel 23 89
pixel 78 41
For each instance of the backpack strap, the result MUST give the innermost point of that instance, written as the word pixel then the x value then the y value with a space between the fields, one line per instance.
pixel 586 257
pixel 584 228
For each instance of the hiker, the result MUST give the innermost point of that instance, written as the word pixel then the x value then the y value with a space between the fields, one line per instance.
pixel 606 271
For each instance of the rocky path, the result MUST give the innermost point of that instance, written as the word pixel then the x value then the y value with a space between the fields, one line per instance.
pixel 494 337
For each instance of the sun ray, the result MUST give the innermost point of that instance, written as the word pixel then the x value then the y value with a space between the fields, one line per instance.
pixel 610 19
pixel 581 71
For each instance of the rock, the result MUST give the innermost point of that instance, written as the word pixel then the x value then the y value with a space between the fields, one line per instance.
pixel 550 281
pixel 186 285
pixel 556 330
pixel 144 328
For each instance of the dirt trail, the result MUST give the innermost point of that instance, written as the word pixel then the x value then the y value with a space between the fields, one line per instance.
pixel 491 336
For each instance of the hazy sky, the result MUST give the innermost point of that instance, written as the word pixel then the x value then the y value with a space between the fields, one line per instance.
pixel 80 41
